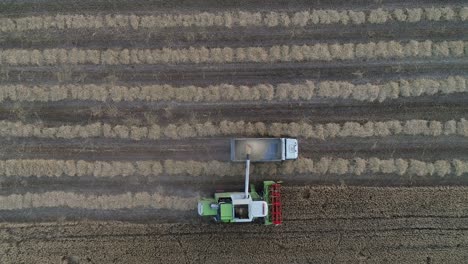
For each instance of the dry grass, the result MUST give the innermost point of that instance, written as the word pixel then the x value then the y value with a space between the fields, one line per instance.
pixel 230 128
pixel 317 52
pixel 103 202
pixel 57 168
pixel 225 92
pixel 359 166
pixel 460 167
pixel 73 168
pixel 325 165
pixel 378 16
pixel 232 19
pixel 464 13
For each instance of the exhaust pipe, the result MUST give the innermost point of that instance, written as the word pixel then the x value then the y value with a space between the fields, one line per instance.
pixel 248 149
pixel 247 170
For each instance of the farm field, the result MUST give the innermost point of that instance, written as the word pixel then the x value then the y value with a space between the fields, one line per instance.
pixel 115 118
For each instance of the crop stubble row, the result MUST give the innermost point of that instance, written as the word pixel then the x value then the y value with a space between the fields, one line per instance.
pixel 284 53
pixel 92 201
pixel 413 127
pixel 225 92
pixel 148 168
pixel 232 19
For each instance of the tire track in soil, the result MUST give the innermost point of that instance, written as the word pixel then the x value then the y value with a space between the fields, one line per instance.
pixel 237 73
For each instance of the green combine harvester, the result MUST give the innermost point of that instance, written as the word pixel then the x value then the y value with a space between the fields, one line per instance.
pixel 248 206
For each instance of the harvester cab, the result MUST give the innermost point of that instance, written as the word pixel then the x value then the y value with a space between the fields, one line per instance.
pixel 250 205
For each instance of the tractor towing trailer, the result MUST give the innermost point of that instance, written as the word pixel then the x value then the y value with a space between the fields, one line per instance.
pixel 250 205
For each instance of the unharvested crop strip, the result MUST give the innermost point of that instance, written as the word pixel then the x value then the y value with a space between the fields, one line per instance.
pixel 316 52
pixel 229 128
pixel 226 92
pixel 107 202
pixel 233 19
pixel 80 168
pixel 323 166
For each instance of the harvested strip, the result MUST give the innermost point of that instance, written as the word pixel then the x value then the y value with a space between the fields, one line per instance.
pixel 317 52
pixel 225 92
pixel 323 166
pixel 106 202
pixel 332 202
pixel 231 19
pixel 229 128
